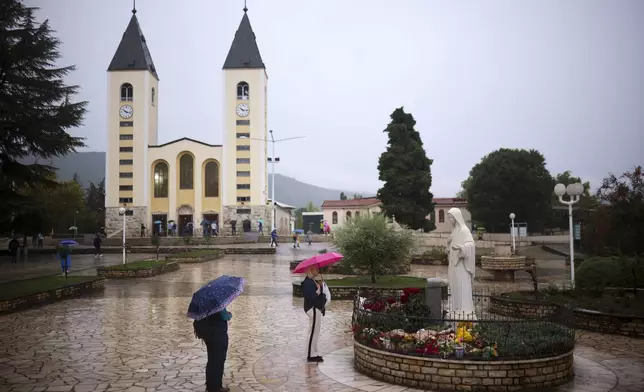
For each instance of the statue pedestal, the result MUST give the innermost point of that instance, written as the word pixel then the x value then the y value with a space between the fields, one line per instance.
pixel 435 292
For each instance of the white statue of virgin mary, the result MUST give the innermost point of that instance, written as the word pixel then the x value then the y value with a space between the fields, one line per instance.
pixel 460 272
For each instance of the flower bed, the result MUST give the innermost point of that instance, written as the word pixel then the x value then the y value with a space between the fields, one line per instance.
pixel 197 256
pixel 138 269
pixel 523 305
pixel 399 341
pixel 29 293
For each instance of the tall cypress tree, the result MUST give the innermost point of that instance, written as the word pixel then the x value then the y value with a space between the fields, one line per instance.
pixel 405 170
pixel 35 107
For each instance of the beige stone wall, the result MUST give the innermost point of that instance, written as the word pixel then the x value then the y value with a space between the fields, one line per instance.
pixel 437 374
pixel 114 221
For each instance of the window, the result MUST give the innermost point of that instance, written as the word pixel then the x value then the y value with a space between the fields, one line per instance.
pixel 243 148
pixel 243 174
pixel 242 91
pixel 186 172
pixel 348 215
pixel 334 218
pixel 126 124
pixel 243 186
pixel 243 211
pixel 212 179
pixel 153 95
pixel 126 188
pixel 123 200
pixel 241 135
pixel 126 162
pixel 161 179
pixel 357 214
pixel 127 92
pixel 126 137
pixel 243 198
pixel 441 216
pixel 126 175
pixel 243 160
pixel 126 149
pixel 243 122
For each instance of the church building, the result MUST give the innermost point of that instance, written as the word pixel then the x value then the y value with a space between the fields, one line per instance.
pixel 186 180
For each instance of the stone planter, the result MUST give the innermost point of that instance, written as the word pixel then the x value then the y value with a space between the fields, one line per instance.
pixel 590 320
pixel 195 260
pixel 137 273
pixel 466 375
pixel 33 300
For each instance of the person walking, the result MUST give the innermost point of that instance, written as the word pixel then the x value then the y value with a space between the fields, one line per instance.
pixel 260 224
pixel 142 230
pixel 97 246
pixel 274 238
pixel 13 250
pixel 309 237
pixel 296 239
pixel 41 239
pixel 213 330
pixel 314 307
pixel 65 259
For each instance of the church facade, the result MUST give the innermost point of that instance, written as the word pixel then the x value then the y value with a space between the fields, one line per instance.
pixel 186 180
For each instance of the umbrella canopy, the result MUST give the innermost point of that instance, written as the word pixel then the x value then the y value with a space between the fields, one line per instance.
pixel 320 260
pixel 215 296
pixel 205 222
pixel 68 243
pixel 157 222
pixel 299 231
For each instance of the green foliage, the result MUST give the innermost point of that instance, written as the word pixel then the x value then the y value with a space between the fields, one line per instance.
pixel 510 180
pixel 617 226
pixel 25 287
pixel 343 196
pixel 137 265
pixel 435 253
pixel 156 242
pixel 373 244
pixel 405 170
pixel 385 282
pixel 559 218
pixel 36 108
pixel 600 272
pixel 310 207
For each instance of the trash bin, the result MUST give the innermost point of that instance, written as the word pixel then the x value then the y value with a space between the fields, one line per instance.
pixel 434 292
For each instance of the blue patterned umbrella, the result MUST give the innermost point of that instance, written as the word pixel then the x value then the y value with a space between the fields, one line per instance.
pixel 68 243
pixel 215 296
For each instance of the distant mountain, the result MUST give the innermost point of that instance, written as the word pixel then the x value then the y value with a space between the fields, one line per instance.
pixel 90 167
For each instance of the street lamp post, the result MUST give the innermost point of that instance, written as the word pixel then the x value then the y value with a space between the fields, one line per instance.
pixel 273 159
pixel 514 248
pixel 574 191
pixel 122 211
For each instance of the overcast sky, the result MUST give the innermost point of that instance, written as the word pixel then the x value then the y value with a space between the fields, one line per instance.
pixel 563 77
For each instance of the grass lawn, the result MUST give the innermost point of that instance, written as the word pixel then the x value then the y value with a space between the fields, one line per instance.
pixel 137 265
pixel 602 303
pixel 39 285
pixel 385 282
pixel 196 253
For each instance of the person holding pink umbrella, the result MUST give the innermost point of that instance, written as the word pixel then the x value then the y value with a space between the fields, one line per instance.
pixel 316 298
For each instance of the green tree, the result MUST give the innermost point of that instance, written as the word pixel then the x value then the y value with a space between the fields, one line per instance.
pixel 464 185
pixel 510 180
pixel 35 104
pixel 357 196
pixel 405 170
pixel 374 244
pixel 310 207
pixel 343 196
pixel 587 202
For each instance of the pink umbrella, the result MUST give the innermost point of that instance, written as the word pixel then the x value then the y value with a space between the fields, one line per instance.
pixel 320 260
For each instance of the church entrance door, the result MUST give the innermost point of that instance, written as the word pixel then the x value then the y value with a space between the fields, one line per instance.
pixel 246 225
pixel 159 224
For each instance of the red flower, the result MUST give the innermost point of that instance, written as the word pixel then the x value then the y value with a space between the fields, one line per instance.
pixel 404 299
pixel 391 301
pixel 411 291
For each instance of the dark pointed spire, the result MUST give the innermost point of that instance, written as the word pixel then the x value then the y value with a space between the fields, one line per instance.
pixel 133 53
pixel 134 7
pixel 244 52
pixel 245 8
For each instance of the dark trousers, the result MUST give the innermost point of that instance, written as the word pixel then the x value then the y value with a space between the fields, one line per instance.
pixel 14 256
pixel 273 241
pixel 215 366
pixel 97 250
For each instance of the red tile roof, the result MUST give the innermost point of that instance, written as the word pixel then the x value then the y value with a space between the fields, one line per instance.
pixel 364 202
pixel 369 201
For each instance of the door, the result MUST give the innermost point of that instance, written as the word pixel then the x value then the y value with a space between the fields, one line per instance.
pixel 159 224
pixel 185 225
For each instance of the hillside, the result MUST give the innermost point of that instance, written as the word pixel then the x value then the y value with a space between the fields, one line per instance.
pixel 90 166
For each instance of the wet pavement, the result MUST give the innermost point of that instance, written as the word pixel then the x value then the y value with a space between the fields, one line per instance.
pixel 135 337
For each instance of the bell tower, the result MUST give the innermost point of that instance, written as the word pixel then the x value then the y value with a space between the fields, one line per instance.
pixel 133 95
pixel 245 129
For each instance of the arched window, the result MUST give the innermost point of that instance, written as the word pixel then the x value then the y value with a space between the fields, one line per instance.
pixel 212 179
pixel 348 215
pixel 357 214
pixel 441 216
pixel 334 218
pixel 127 92
pixel 242 91
pixel 153 95
pixel 186 172
pixel 161 179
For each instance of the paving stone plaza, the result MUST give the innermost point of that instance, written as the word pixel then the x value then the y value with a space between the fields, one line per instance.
pixel 135 336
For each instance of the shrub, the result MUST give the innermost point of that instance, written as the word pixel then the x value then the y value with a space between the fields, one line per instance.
pixel 435 253
pixel 373 244
pixel 600 272
pixel 156 242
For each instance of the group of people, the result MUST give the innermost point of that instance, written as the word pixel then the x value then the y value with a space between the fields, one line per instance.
pixel 213 330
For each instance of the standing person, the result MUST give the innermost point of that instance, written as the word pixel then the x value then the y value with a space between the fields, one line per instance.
pixel 260 224
pixel 41 239
pixel 13 250
pixel 321 227
pixel 214 228
pixel 213 330
pixel 233 226
pixel 314 303
pixel 296 239
pixel 65 258
pixel 309 237
pixel 142 230
pixel 97 246
pixel 274 238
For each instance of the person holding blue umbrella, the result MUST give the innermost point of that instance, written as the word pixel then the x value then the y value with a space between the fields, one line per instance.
pixel 208 309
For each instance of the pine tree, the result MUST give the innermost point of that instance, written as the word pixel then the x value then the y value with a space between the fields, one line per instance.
pixel 405 170
pixel 35 106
